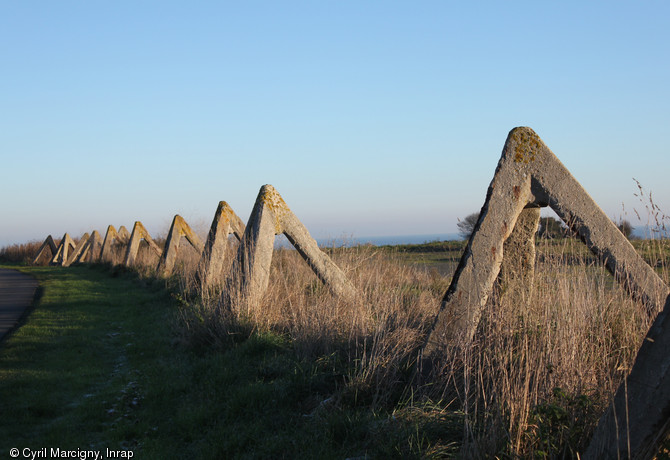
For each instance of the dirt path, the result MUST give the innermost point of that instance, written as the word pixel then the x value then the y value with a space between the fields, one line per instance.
pixel 16 295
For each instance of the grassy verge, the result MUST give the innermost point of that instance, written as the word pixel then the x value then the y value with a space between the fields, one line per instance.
pixel 97 366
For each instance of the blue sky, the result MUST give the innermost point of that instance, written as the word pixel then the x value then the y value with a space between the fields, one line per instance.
pixel 370 118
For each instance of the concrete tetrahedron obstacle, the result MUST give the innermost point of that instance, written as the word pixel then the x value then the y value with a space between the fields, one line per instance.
pixel 122 236
pixel 78 249
pixel 92 249
pixel 529 176
pixel 48 245
pixel 178 229
pixel 269 217
pixel 63 250
pixel 139 233
pixel 213 256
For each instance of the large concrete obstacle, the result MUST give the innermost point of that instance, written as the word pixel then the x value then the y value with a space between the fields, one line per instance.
pixel 77 251
pixel 63 250
pixel 213 256
pixel 501 248
pixel 251 270
pixel 530 176
pixel 48 245
pixel 138 235
pixel 93 249
pixel 112 236
pixel 178 229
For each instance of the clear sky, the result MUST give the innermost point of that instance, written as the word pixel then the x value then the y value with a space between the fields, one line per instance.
pixel 369 117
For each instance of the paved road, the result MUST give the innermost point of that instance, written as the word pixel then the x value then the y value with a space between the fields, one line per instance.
pixel 16 295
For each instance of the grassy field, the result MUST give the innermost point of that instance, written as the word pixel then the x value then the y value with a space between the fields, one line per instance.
pixel 117 359
pixel 99 365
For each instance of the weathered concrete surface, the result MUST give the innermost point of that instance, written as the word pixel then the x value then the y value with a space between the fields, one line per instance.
pixel 63 250
pixel 91 250
pixel 48 245
pixel 213 256
pixel 78 249
pixel 122 237
pixel 178 229
pixel 517 271
pixel 271 216
pixel 639 418
pixel 530 175
pixel 106 252
pixel 17 291
pixel 94 249
pixel 139 233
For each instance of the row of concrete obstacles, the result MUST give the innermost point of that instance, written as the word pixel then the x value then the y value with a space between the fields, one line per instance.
pixel 500 249
pixel 251 267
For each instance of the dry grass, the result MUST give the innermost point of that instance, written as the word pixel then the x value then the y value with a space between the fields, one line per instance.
pixel 542 369
pixel 20 253
pixel 377 334
pixel 535 380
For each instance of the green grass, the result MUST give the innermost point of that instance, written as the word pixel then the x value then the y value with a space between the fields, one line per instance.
pixel 98 365
pixel 72 374
pixel 442 257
